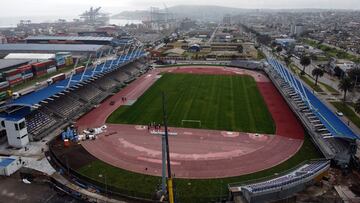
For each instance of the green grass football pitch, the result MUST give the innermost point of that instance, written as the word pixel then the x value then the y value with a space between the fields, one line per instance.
pixel 219 102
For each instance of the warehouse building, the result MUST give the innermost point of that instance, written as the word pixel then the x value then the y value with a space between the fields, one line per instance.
pixel 34 57
pixel 77 50
pixel 70 40
pixel 8 64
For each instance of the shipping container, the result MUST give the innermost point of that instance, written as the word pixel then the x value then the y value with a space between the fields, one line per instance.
pixel 27 76
pixel 61 66
pixel 25 68
pixel 4 84
pixel 57 78
pixel 16 81
pixel 60 62
pixel 44 64
pixel 3 95
pixel 79 69
pixel 11 72
pixel 14 77
pixel 40 73
pixel 51 70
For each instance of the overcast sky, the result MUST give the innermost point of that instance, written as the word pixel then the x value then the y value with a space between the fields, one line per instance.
pixel 9 8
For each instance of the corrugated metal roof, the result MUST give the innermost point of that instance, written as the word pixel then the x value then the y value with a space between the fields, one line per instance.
pixel 5 63
pixel 29 56
pixel 70 38
pixel 4 162
pixel 50 47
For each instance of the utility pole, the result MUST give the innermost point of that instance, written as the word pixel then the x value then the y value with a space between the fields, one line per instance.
pixel 169 181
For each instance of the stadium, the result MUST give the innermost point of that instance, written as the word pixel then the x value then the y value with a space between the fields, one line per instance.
pixel 235 132
pixel 237 127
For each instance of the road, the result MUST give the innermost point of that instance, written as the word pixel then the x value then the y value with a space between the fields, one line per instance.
pixel 213 35
pixel 326 79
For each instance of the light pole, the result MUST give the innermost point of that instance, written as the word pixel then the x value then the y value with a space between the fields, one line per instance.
pixel 106 191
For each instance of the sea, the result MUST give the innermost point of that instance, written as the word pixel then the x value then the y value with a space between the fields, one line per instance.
pixel 8 22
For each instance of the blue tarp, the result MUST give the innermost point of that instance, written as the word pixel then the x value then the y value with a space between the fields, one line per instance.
pixel 40 95
pixel 330 120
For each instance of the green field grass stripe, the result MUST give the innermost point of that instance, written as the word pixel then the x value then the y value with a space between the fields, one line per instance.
pixel 220 102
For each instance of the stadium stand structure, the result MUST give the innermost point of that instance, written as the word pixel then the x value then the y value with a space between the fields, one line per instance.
pixel 60 103
pixel 333 137
pixel 248 64
pixel 282 186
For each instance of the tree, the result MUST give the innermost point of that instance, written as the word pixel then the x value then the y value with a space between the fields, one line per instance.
pixel 273 44
pixel 240 48
pixel 166 40
pixel 317 72
pixel 338 72
pixel 287 60
pixel 279 49
pixel 357 106
pixel 354 75
pixel 305 61
pixel 345 85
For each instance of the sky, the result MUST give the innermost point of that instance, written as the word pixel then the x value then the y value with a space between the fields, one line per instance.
pixel 17 8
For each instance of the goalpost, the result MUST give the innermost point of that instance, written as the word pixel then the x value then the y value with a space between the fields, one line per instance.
pixel 191 121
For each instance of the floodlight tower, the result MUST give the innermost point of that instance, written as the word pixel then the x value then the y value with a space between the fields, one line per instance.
pixel 165 136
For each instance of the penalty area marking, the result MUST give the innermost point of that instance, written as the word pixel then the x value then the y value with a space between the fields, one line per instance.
pixel 191 121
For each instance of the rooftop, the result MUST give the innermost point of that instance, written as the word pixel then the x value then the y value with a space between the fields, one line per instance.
pixel 5 63
pixel 70 38
pixel 50 47
pixel 29 56
pixel 4 162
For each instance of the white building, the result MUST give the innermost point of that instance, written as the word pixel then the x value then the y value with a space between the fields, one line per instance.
pixel 9 165
pixel 297 29
pixel 16 131
pixel 34 57
pixel 227 19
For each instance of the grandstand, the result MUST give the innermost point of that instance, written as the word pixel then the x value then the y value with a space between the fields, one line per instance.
pixel 283 185
pixel 248 64
pixel 333 137
pixel 60 103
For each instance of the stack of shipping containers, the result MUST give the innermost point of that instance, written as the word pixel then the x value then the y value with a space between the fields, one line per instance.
pixel 43 68
pixel 26 72
pixel 13 76
pixel 4 87
pixel 63 59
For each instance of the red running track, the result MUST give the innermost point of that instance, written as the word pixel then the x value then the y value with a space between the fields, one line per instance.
pixel 195 153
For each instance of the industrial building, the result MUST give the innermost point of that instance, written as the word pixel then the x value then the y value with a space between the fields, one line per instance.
pixel 34 57
pixel 70 40
pixel 9 165
pixel 8 64
pixel 77 50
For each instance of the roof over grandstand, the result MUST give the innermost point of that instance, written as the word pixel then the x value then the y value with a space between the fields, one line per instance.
pixel 332 123
pixel 7 63
pixel 29 56
pixel 35 98
pixel 70 38
pixel 51 47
